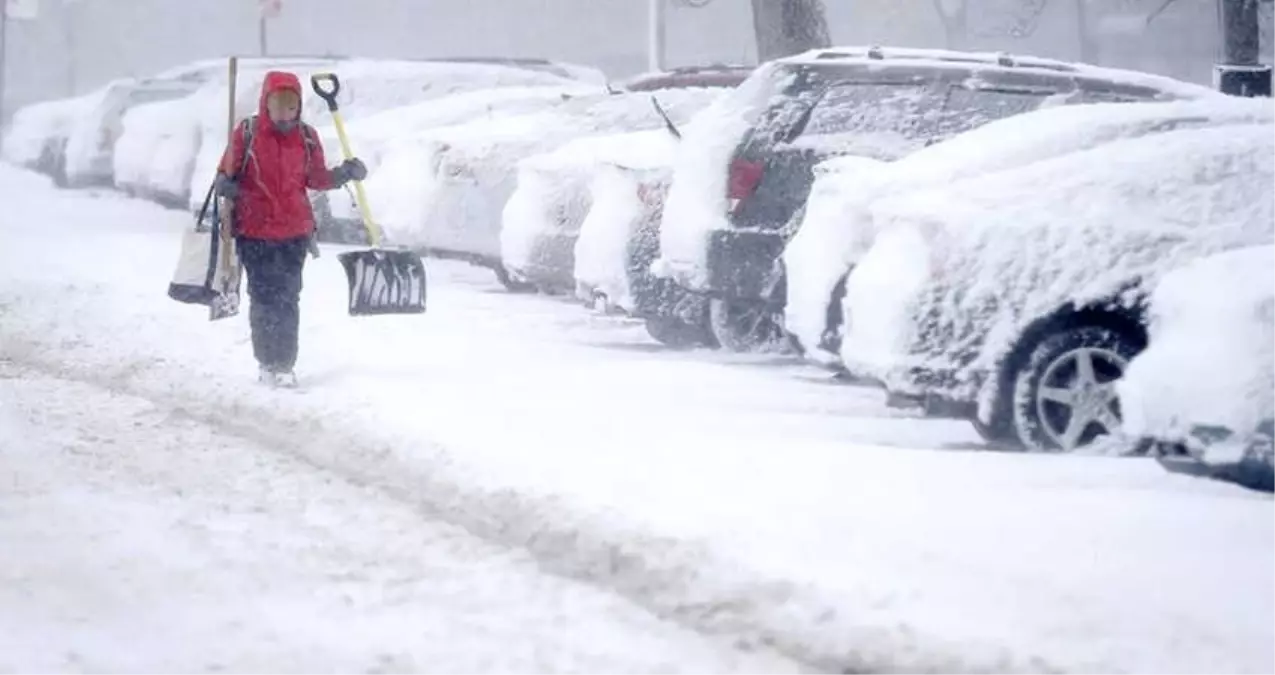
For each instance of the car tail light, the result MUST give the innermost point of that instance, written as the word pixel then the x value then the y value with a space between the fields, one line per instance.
pixel 745 175
pixel 649 194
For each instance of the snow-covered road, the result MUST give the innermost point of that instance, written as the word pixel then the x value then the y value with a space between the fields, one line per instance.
pixel 742 498
pixel 138 539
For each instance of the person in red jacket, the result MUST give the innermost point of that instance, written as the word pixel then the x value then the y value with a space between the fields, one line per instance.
pixel 266 178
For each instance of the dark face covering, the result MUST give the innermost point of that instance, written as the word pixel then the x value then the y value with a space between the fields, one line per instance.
pixel 284 126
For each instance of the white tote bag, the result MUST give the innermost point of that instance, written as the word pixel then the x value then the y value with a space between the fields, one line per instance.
pixel 208 268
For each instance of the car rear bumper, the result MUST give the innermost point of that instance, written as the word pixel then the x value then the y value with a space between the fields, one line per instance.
pixel 551 261
pixel 743 264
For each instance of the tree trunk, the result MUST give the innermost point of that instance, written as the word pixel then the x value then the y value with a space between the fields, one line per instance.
pixel 1089 47
pixel 787 27
pixel 1241 32
pixel 953 14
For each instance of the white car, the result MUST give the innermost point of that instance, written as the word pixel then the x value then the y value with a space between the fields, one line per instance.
pixel 376 135
pixel 1206 381
pixel 443 191
pixel 37 136
pixel 836 229
pixel 1016 299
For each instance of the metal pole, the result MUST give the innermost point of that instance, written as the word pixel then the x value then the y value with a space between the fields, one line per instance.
pixel 4 51
pixel 657 39
pixel 261 34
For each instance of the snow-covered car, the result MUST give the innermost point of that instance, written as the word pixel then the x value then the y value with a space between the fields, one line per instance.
pixel 374 135
pixel 91 144
pixel 1016 299
pixel 368 86
pixel 543 217
pixel 1205 384
pixel 836 230
pixel 153 156
pixel 744 174
pixel 36 137
pixel 442 192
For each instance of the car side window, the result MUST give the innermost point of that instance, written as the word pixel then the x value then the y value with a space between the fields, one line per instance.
pixel 969 108
pixel 879 119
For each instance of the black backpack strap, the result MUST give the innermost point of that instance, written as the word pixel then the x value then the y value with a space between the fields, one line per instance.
pixel 249 125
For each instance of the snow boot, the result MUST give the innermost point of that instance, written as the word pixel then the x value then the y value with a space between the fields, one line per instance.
pixel 277 378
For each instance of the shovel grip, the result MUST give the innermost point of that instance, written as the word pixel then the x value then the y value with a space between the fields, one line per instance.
pixel 328 95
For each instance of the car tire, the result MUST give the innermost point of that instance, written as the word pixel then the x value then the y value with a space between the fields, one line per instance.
pixel 748 327
pixel 510 284
pixel 1063 394
pixel 674 332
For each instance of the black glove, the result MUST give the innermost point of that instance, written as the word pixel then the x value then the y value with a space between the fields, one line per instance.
pixel 350 169
pixel 226 186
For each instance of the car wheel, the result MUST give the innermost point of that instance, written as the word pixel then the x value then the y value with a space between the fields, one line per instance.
pixel 748 327
pixel 1064 395
pixel 510 284
pixel 672 331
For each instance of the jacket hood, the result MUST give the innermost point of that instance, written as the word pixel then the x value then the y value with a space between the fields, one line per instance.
pixel 276 81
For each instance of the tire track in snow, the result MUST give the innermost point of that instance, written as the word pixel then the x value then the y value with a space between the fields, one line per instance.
pixel 139 538
pixel 676 580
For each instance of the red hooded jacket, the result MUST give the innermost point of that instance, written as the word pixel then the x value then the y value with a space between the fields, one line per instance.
pixel 272 202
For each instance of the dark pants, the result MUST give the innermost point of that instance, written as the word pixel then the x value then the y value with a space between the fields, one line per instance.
pixel 274 287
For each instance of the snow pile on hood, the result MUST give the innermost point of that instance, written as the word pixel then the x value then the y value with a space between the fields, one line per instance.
pixel 368 86
pixel 696 203
pixel 837 229
pixel 1014 246
pixel 553 196
pixel 463 175
pixel 40 126
pixel 1211 359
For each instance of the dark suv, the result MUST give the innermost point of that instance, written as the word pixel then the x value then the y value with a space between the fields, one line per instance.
pixel 876 102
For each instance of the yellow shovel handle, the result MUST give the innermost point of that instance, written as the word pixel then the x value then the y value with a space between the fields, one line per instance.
pixel 329 95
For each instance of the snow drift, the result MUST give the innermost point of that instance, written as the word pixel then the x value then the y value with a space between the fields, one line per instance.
pixel 1211 359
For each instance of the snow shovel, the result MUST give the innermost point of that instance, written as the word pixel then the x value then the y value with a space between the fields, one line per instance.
pixel 229 269
pixel 381 281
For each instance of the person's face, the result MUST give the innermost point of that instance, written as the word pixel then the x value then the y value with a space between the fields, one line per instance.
pixel 283 106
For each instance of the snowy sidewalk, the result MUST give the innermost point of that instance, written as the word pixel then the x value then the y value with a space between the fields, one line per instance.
pixel 139 540
pixel 739 499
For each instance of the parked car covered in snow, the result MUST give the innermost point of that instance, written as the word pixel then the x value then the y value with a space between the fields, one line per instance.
pixel 368 86
pixel 154 152
pixel 1016 299
pixel 442 192
pixel 1205 385
pixel 542 219
pixel 836 228
pixel 744 174
pixel 36 137
pixel 377 134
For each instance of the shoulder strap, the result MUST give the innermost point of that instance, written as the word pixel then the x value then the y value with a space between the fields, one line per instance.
pixel 308 136
pixel 249 126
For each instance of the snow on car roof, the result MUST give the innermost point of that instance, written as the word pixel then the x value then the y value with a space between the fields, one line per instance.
pixel 888 57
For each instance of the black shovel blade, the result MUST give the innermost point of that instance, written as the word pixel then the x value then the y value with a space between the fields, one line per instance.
pixel 384 282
